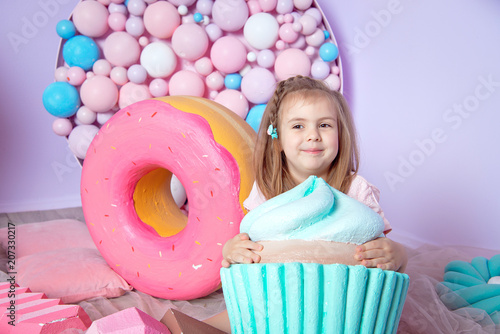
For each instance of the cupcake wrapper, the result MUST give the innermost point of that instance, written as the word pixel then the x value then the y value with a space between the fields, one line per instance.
pixel 313 298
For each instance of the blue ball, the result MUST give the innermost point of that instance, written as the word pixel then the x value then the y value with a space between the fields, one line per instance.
pixel 232 81
pixel 326 33
pixel 255 115
pixel 80 51
pixel 328 52
pixel 61 99
pixel 65 29
pixel 198 17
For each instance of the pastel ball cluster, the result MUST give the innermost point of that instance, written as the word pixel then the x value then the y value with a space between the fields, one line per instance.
pixel 118 52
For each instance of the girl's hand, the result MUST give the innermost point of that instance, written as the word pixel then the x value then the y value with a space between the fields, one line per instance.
pixel 240 249
pixel 382 253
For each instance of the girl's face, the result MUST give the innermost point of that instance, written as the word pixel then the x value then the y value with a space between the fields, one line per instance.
pixel 309 136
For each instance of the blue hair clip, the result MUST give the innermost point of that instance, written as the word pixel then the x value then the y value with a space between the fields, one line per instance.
pixel 272 132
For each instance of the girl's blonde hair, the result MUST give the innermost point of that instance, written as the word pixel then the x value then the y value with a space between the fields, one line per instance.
pixel 271 171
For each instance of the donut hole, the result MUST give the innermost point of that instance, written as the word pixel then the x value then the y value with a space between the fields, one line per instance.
pixel 155 205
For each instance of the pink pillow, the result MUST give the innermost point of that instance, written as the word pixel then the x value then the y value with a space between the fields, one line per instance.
pixel 49 235
pixel 71 274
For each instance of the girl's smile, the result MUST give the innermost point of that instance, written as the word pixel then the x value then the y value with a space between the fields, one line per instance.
pixel 309 136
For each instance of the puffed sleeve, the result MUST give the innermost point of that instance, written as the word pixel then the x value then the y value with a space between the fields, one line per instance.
pixel 369 195
pixel 254 199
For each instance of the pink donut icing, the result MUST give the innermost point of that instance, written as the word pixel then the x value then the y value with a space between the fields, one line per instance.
pixel 138 139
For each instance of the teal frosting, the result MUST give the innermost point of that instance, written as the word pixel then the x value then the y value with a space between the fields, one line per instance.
pixel 465 286
pixel 313 210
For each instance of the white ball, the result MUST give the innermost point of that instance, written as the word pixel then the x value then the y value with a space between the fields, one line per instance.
pixel 158 59
pixel 261 31
pixel 494 280
pixel 178 191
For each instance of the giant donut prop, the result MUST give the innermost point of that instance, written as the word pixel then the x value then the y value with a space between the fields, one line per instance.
pixel 128 205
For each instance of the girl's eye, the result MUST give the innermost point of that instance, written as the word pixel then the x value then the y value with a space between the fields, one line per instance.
pixel 325 125
pixel 297 126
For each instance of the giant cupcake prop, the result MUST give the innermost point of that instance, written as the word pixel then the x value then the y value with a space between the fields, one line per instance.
pixel 306 282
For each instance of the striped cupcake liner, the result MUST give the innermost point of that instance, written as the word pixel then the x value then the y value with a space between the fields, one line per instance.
pixel 313 298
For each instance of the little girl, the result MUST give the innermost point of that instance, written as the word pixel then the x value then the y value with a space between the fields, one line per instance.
pixel 307 129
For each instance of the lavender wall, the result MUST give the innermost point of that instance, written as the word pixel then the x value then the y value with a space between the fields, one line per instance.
pixel 422 78
pixel 37 170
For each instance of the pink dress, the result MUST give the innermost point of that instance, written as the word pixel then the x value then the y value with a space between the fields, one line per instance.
pixel 360 190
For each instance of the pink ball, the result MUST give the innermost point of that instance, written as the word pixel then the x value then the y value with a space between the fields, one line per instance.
pixel 190 41
pixel 268 5
pixel 75 75
pixel 91 18
pixel 187 19
pixel 103 117
pixel 316 39
pixel 213 94
pixel 280 45
pixel 117 8
pixel 143 41
pixel 292 62
pixel 300 43
pixel 228 54
pixel 309 24
pixel 310 51
pixel 99 93
pixel 266 58
pixel 136 7
pixel 158 87
pixel 182 2
pixel 62 126
pixel 117 21
pixel 234 101
pixel 284 6
pixel 254 7
pixel 333 81
pixel 258 85
pixel 102 67
pixel 119 75
pixel 316 13
pixel 302 4
pixel 185 82
pixel 60 73
pixel 215 81
pixel 137 74
pixel 320 69
pixel 135 26
pixel 213 32
pixel 287 33
pixel 161 19
pixel 230 15
pixel 288 18
pixel 85 115
pixel 80 138
pixel 204 66
pixel 131 93
pixel 121 49
pixel 204 7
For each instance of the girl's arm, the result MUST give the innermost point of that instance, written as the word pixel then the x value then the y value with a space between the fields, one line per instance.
pixel 382 253
pixel 240 249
